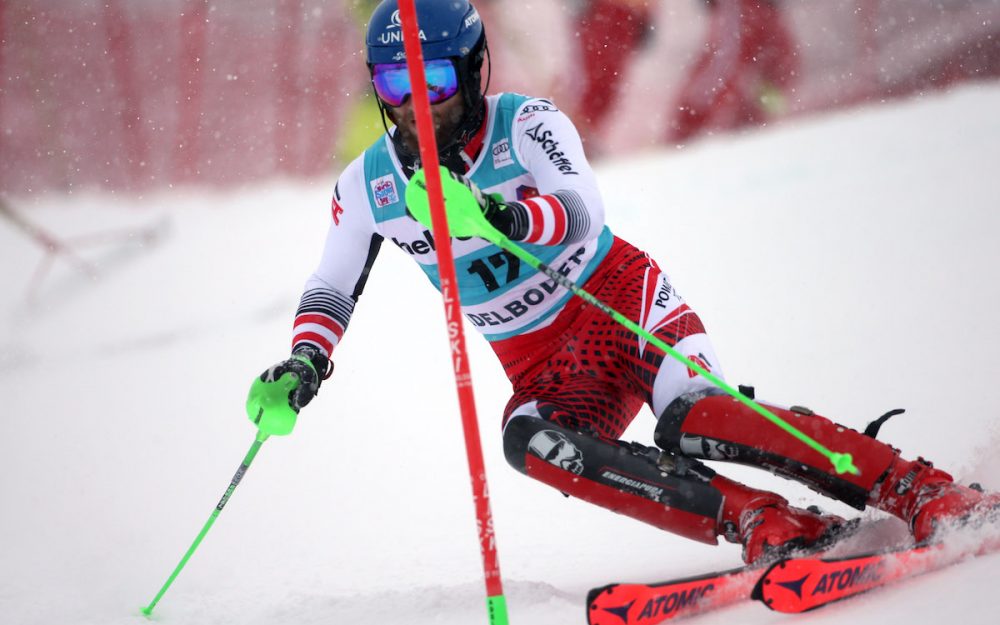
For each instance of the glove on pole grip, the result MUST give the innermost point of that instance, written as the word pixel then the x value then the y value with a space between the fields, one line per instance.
pixel 268 407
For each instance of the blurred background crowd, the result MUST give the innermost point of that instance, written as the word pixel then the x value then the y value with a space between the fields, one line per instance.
pixel 144 94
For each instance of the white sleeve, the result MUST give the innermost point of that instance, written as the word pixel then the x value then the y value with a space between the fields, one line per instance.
pixel 352 243
pixel 570 208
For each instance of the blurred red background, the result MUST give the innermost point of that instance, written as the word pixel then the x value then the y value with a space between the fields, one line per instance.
pixel 142 94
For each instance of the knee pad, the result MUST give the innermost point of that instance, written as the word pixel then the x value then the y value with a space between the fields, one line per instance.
pixel 668 428
pixel 527 434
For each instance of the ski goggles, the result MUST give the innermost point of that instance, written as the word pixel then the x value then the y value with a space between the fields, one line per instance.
pixel 392 81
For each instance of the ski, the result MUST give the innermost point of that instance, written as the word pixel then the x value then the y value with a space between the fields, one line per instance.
pixel 648 604
pixel 800 584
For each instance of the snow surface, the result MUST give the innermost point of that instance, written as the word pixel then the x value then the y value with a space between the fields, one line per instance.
pixel 848 263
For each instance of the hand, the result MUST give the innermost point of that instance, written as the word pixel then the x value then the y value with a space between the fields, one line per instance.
pixel 498 213
pixel 470 212
pixel 278 394
pixel 302 366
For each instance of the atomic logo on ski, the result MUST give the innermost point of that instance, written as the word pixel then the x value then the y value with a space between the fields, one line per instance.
pixel 664 605
pixel 846 578
pixel 650 604
pixel 795 586
pixel 621 612
pixel 808 583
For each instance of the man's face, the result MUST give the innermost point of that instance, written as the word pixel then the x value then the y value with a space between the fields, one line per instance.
pixel 446 115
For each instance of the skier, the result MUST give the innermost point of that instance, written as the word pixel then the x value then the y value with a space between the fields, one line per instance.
pixel 578 378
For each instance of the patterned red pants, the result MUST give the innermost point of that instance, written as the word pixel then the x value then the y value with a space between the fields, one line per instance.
pixel 588 373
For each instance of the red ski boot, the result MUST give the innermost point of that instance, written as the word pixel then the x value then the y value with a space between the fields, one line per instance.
pixel 929 500
pixel 716 427
pixel 767 526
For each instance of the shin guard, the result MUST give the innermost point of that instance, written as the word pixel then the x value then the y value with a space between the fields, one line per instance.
pixel 669 492
pixel 714 426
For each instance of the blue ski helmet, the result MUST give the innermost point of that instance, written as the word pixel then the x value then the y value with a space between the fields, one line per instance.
pixel 449 29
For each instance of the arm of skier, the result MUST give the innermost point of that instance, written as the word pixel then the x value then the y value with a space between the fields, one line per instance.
pixel 331 292
pixel 569 208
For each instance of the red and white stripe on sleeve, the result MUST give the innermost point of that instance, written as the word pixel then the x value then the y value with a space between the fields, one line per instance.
pixel 569 208
pixel 546 220
pixel 322 317
pixel 556 219
pixel 317 329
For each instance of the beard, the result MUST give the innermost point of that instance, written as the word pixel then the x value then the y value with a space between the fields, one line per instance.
pixel 447 120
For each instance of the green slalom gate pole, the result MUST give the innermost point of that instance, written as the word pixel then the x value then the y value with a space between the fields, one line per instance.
pixel 258 441
pixel 465 218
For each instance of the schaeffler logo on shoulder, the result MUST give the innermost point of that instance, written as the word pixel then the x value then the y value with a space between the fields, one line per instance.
pixel 551 148
pixel 384 190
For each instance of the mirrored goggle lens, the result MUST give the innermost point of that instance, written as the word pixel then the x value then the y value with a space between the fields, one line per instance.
pixel 392 81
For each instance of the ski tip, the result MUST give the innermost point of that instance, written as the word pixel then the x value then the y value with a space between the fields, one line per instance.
pixel 594 613
pixel 757 594
pixel 594 593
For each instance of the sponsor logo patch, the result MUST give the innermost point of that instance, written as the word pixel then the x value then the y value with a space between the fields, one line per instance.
pixel 393 33
pixel 709 448
pixel 501 154
pixel 838 581
pixel 665 605
pixel 384 189
pixel 661 304
pixel 535 108
pixel 555 448
pixel 644 489
pixel 551 148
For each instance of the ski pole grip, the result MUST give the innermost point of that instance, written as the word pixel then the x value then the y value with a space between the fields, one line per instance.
pixel 465 215
pixel 268 406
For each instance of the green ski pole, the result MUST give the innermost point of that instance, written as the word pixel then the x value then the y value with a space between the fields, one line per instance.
pixel 267 407
pixel 842 463
pixel 465 218
pixel 258 441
